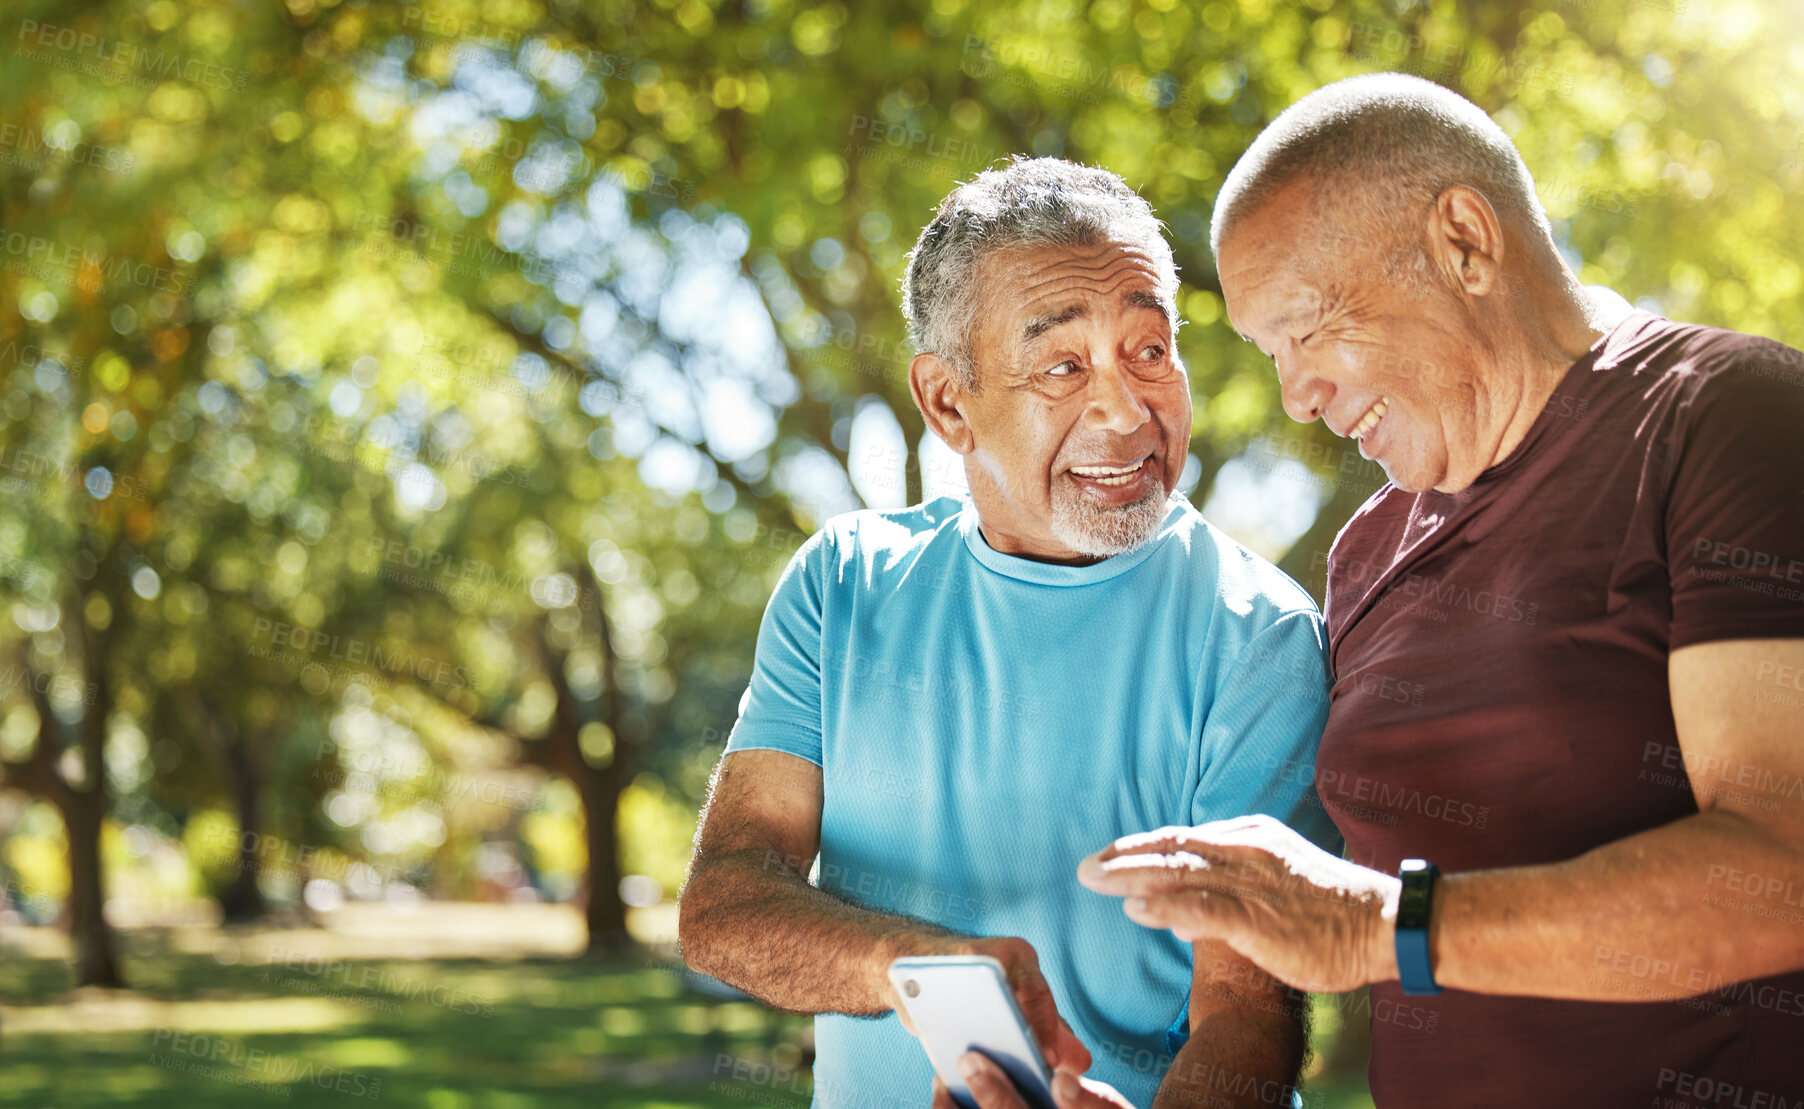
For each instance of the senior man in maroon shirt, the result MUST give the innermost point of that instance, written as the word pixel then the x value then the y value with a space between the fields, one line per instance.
pixel 1587 576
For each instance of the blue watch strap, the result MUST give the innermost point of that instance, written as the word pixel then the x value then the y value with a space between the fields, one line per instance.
pixel 1414 971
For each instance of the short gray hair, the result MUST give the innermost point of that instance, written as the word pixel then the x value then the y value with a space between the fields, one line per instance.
pixel 1397 140
pixel 1030 202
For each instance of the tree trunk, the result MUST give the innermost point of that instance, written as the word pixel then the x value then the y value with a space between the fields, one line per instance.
pixel 242 900
pixel 603 911
pixel 216 730
pixel 82 812
pixel 96 963
pixel 598 787
pixel 84 809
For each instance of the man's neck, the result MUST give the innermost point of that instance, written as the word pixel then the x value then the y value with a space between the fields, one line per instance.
pixel 1051 551
pixel 1547 335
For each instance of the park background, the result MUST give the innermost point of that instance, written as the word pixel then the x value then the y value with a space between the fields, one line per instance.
pixel 406 409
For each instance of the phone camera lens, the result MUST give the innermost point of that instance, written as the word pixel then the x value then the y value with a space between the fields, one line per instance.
pixel 912 988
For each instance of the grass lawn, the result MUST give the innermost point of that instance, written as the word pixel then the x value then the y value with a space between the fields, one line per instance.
pixel 445 1006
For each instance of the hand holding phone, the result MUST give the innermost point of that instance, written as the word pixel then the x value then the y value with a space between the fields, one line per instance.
pixel 960 1003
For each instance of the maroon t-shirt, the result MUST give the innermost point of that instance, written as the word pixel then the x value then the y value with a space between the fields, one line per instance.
pixel 1500 699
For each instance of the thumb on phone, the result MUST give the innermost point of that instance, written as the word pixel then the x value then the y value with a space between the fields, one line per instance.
pixel 1058 1044
pixel 1072 1057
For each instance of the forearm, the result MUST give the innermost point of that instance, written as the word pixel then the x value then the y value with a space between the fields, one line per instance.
pixel 750 919
pixel 1245 1053
pixel 1661 914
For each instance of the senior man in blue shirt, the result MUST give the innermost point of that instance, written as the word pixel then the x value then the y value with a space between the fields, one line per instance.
pixel 953 703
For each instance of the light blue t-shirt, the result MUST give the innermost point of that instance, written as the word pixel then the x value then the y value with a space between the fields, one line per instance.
pixel 983 722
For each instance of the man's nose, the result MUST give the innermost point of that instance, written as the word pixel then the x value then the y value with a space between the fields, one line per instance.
pixel 1114 405
pixel 1305 395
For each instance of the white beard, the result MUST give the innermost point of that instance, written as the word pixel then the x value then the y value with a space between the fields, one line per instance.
pixel 1103 531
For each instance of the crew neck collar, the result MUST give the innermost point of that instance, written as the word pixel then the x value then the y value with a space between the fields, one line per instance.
pixel 1052 573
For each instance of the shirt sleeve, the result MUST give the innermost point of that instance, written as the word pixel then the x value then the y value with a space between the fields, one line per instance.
pixel 1735 509
pixel 1259 745
pixel 781 708
pixel 1263 728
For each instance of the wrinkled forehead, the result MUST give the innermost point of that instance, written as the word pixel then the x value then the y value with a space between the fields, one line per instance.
pixel 1027 286
pixel 1300 231
pixel 1277 264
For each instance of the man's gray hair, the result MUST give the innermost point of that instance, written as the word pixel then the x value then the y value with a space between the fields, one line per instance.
pixel 1386 144
pixel 1030 202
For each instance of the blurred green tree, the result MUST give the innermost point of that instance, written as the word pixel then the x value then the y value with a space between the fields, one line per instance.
pixel 474 368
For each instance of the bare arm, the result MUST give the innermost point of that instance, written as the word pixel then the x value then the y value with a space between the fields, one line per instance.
pixel 1678 910
pixel 1247 1037
pixel 1674 911
pixel 749 917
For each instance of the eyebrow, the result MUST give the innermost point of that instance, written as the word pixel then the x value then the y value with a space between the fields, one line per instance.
pixel 1277 324
pixel 1139 298
pixel 1040 325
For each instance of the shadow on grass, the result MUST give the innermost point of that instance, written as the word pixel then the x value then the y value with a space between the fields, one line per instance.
pixel 248 1017
pixel 298 1030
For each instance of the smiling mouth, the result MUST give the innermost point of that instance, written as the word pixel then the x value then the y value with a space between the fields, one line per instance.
pixel 1110 475
pixel 1370 420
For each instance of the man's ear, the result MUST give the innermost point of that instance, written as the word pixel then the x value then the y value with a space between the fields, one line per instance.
pixel 939 396
pixel 1465 239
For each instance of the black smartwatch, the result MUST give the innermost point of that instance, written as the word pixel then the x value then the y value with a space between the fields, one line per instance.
pixel 1413 906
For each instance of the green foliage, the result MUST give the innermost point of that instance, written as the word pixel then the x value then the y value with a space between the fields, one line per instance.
pixel 462 375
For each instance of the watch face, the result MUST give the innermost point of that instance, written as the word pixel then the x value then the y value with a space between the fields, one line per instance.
pixel 1418 889
pixel 1412 905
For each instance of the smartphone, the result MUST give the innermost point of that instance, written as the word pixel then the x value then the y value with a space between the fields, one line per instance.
pixel 961 1003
